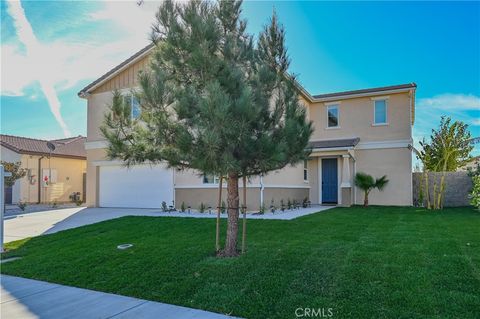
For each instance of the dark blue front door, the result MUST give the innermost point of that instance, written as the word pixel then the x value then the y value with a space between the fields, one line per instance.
pixel 329 180
pixel 8 195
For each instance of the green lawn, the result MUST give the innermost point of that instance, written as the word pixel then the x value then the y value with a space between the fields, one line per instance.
pixel 380 262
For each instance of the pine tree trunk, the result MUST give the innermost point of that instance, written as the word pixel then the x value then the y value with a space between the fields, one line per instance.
pixel 232 225
pixel 217 233
pixel 244 228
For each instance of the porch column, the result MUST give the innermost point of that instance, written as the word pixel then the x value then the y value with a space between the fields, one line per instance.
pixel 346 172
pixel 346 185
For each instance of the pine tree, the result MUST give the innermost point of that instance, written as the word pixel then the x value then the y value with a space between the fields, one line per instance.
pixel 213 100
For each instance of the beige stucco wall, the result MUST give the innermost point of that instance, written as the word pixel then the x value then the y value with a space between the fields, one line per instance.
pixel 313 180
pixel 356 119
pixel 69 178
pixel 289 175
pixel 286 183
pixel 97 106
pixel 92 175
pixel 396 163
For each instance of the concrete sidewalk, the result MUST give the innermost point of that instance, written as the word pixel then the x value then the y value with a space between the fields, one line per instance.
pixel 26 298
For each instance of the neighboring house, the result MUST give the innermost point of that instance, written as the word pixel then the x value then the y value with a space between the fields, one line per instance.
pixel 51 176
pixel 471 165
pixel 365 130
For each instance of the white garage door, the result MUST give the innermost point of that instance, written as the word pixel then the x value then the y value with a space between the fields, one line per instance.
pixel 141 186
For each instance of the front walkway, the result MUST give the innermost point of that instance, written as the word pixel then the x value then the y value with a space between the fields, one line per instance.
pixel 26 298
pixel 35 224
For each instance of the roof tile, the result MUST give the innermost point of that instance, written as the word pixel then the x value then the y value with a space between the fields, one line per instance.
pixel 66 147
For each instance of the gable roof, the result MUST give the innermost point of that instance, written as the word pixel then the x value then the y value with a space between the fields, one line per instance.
pixel 72 147
pixel 366 91
pixel 312 98
pixel 135 57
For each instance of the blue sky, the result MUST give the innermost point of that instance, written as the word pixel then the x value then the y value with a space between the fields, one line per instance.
pixel 334 46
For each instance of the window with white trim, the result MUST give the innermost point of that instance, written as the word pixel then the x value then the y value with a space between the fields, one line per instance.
pixel 49 176
pixel 135 109
pixel 305 170
pixel 332 116
pixel 210 179
pixel 380 112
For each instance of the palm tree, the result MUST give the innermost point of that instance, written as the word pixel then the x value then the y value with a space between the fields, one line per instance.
pixel 367 183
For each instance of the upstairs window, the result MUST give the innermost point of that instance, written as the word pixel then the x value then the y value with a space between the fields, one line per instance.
pixel 210 179
pixel 380 112
pixel 135 109
pixel 305 170
pixel 332 114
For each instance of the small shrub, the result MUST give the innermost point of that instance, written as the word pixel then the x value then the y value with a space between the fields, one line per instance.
pixel 201 209
pixel 261 210
pixel 295 204
pixel 272 206
pixel 305 202
pixel 22 205
pixel 475 193
pixel 164 206
pixel 183 207
pixel 289 204
pixel 78 202
pixel 282 205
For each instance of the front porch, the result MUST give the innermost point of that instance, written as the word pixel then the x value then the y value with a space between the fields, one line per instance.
pixel 331 169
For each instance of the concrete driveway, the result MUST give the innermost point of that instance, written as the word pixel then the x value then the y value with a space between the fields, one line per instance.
pixel 47 222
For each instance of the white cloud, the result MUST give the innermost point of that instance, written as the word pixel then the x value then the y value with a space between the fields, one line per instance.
pixel 451 102
pixel 34 52
pixel 64 63
pixel 61 63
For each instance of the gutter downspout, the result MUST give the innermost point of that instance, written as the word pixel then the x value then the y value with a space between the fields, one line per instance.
pixel 354 173
pixel 39 179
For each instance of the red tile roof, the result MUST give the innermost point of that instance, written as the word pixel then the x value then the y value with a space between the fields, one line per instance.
pixel 72 147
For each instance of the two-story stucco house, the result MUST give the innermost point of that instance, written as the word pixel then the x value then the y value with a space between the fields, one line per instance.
pixel 366 130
